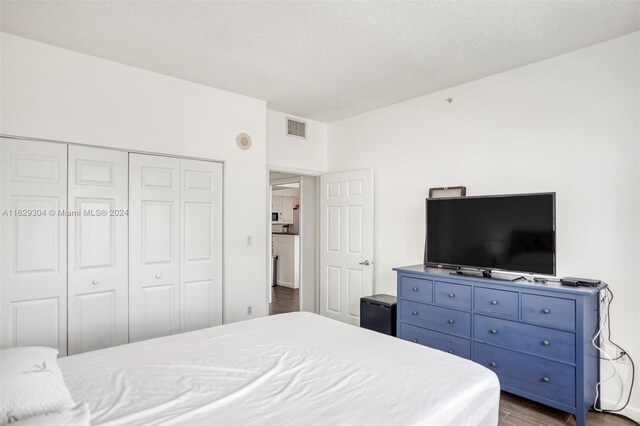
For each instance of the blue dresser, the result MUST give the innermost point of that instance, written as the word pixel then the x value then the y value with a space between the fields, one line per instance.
pixel 536 337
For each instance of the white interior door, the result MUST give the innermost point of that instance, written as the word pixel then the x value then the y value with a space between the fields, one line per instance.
pixel 33 253
pixel 154 257
pixel 200 244
pixel 346 243
pixel 98 244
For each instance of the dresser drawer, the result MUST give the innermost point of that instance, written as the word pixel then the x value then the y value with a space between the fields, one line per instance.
pixel 543 341
pixel 444 342
pixel 549 311
pixel 436 318
pixel 548 379
pixel 453 295
pixel 416 289
pixel 496 302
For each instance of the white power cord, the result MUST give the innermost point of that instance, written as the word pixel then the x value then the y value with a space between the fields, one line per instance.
pixel 603 352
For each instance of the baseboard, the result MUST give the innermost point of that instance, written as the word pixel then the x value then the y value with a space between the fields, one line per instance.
pixel 283 284
pixel 630 411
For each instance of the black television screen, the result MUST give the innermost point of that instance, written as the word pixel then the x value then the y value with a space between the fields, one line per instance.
pixel 505 232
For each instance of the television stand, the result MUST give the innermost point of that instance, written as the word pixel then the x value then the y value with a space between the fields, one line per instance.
pixel 486 273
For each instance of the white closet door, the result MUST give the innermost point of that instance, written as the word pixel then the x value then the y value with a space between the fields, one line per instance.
pixel 98 275
pixel 200 244
pixel 154 223
pixel 33 254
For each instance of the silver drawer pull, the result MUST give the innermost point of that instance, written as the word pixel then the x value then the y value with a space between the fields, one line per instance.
pixel 492 364
pixel 451 321
pixel 451 295
pixel 414 340
pixel 414 313
pixel 158 276
pixel 493 331
pixel 494 302
pixel 95 282
pixel 546 311
pixel 545 379
pixel 545 343
pixel 415 289
pixel 450 351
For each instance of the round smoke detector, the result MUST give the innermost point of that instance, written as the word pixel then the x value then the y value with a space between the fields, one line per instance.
pixel 243 141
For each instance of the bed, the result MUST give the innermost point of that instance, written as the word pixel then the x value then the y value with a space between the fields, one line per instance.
pixel 297 368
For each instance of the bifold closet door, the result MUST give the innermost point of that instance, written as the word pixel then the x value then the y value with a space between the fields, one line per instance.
pixel 175 249
pixel 98 275
pixel 33 253
pixel 200 244
pixel 154 238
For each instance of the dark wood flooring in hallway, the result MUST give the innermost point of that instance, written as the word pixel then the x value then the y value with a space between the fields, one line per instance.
pixel 284 299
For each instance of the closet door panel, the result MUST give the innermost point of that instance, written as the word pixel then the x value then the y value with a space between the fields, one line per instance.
pixel 158 226
pixel 33 244
pixel 154 226
pixel 36 323
pixel 199 305
pixel 96 320
pixel 200 244
pixel 98 260
pixel 158 310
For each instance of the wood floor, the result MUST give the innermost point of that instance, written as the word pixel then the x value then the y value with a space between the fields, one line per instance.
pixel 283 300
pixel 514 411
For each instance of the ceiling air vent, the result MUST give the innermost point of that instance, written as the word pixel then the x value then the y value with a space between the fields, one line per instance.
pixel 296 128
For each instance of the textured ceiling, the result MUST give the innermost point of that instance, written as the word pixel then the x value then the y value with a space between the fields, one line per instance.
pixel 325 60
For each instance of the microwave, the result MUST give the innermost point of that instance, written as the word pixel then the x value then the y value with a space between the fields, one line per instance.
pixel 276 217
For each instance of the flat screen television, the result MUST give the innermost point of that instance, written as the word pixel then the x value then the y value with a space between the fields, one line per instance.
pixel 504 232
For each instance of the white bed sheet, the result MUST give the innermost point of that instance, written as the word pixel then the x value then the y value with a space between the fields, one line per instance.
pixel 297 368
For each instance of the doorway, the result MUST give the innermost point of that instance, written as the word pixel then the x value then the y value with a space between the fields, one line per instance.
pixel 285 248
pixel 293 223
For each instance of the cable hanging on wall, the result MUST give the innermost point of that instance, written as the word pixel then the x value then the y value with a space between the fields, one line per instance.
pixel 606 322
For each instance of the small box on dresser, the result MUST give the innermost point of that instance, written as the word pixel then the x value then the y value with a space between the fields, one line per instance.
pixel 536 337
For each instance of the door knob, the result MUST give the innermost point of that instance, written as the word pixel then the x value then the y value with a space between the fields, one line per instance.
pixel 365 263
pixel 95 282
pixel 158 276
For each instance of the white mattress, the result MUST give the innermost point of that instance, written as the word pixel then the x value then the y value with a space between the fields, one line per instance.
pixel 296 368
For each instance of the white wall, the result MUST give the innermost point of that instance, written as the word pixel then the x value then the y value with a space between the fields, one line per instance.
pixel 57 94
pixel 288 153
pixel 569 124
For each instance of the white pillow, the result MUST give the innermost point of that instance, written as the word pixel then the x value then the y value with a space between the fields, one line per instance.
pixel 76 416
pixel 31 383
